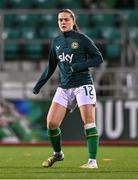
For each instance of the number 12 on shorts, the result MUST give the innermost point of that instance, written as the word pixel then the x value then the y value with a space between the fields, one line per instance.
pixel 89 90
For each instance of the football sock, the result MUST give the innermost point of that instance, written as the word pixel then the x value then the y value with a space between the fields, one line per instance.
pixel 92 140
pixel 55 138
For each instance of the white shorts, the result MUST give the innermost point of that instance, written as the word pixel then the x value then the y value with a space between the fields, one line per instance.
pixel 70 98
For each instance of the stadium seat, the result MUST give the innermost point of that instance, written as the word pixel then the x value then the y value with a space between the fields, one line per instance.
pixel 48 20
pixel 34 51
pixel 91 32
pixel 10 33
pixel 48 33
pixel 131 17
pixel 19 4
pixel 26 20
pixel 102 19
pixel 3 4
pixel 43 33
pixel 52 33
pixel 83 20
pixel 11 51
pixel 28 33
pixel 12 89
pixel 111 4
pixel 9 21
pixel 113 51
pixel 110 33
pixel 133 32
pixel 45 4
pixel 71 4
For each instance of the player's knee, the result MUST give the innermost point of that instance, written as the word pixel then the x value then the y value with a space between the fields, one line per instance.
pixel 52 125
pixel 88 120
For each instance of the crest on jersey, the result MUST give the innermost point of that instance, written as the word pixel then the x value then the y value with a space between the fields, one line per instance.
pixel 75 45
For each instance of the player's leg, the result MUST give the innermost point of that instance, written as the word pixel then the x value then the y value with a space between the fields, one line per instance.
pixel 86 99
pixel 58 110
pixel 55 116
pixel 91 132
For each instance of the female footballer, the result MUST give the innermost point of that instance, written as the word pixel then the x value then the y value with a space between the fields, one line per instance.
pixel 70 51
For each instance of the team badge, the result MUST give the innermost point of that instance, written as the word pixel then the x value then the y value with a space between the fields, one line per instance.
pixel 75 45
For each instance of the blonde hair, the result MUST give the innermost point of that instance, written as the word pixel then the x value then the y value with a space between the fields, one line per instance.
pixel 75 27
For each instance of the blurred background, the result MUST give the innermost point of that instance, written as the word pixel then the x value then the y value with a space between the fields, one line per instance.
pixel 26 30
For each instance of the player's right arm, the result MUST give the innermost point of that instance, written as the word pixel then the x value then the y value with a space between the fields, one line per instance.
pixel 47 73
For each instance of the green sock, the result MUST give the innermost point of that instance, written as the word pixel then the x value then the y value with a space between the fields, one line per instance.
pixel 55 138
pixel 92 142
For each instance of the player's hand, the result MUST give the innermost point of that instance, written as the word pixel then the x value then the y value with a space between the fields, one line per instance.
pixel 35 91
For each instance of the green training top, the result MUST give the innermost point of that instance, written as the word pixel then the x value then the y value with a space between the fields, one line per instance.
pixel 74 53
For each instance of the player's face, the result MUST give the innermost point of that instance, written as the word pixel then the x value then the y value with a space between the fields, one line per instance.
pixel 65 22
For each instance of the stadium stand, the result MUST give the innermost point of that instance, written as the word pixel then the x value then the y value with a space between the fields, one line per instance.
pixel 28 26
pixel 45 4
pixel 34 51
pixel 19 4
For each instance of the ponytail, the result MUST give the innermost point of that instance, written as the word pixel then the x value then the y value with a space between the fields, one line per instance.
pixel 76 28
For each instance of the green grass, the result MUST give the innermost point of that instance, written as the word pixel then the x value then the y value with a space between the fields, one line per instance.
pixel 25 163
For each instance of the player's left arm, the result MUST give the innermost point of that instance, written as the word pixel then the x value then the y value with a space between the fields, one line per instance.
pixel 94 54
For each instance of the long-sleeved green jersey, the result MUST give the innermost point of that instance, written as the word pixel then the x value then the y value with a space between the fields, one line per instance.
pixel 74 53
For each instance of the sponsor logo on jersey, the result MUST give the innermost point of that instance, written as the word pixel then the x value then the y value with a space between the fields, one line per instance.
pixel 65 57
pixel 74 45
pixel 57 47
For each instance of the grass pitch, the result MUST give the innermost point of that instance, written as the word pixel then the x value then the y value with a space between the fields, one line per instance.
pixel 25 163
